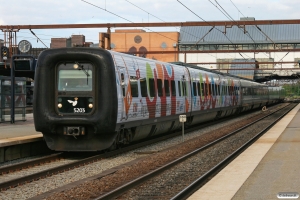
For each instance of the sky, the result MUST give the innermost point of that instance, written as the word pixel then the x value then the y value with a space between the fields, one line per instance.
pixel 42 12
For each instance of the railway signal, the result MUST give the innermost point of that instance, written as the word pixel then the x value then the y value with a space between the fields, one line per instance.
pixel 4 53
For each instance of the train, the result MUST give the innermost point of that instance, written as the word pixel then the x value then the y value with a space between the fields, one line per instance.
pixel 92 99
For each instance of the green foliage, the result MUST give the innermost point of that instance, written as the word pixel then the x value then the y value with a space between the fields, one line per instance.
pixel 292 90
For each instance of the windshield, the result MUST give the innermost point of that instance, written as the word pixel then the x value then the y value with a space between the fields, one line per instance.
pixel 72 78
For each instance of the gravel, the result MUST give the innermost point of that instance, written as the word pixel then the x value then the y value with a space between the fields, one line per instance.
pixel 41 186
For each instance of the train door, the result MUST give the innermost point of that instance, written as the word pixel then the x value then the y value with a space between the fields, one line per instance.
pixel 123 90
pixel 238 93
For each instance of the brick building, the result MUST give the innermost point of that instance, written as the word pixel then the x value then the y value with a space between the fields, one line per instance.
pixel 134 40
pixel 73 41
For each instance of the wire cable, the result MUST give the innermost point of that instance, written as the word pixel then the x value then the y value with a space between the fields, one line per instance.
pixel 209 24
pixel 237 8
pixel 126 19
pixel 181 30
pixel 38 38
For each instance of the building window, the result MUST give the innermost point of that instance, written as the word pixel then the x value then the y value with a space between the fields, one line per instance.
pixel 144 52
pixel 137 39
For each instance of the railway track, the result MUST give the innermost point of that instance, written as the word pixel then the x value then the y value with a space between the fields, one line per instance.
pixel 72 164
pixel 129 181
pixel 190 189
pixel 35 169
pixel 176 168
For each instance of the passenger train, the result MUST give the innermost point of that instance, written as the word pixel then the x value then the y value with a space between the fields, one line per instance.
pixel 91 99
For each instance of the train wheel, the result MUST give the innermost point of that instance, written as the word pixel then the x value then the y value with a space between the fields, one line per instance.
pixel 120 140
pixel 113 146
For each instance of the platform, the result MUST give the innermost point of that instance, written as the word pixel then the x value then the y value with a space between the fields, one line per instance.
pixel 20 140
pixel 268 167
pixel 20 129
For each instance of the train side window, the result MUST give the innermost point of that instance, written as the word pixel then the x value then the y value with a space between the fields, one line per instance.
pixel 143 84
pixel 211 89
pixel 173 87
pixel 194 89
pixel 159 87
pixel 224 90
pixel 217 89
pixel 167 88
pixel 123 84
pixel 213 92
pixel 134 86
pixel 198 86
pixel 244 91
pixel 151 87
pixel 202 89
pixel 184 88
pixel 255 91
pixel 228 90
pixel 179 88
pixel 249 91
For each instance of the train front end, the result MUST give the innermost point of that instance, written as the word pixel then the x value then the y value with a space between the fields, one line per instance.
pixel 75 99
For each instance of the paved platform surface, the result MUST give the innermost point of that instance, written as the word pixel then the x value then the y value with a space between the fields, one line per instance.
pixel 268 167
pixel 19 132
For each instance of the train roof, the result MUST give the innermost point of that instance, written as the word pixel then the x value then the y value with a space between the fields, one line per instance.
pixel 208 70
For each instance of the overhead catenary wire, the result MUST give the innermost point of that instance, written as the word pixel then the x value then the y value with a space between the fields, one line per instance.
pixel 144 10
pixel 205 21
pixel 165 21
pixel 263 33
pixel 53 36
pixel 237 8
pixel 228 16
pixel 38 38
pixel 208 23
pixel 126 19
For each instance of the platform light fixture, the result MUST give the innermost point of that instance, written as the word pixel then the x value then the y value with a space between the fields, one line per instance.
pixel 75 66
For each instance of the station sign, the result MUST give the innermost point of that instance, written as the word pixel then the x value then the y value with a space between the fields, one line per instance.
pixel 182 118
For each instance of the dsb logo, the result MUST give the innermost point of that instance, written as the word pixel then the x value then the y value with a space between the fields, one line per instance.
pixel 79 110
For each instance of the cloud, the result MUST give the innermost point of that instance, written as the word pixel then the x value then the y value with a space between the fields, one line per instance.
pixel 77 11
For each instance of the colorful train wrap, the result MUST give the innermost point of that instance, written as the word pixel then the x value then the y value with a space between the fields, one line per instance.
pixel 91 99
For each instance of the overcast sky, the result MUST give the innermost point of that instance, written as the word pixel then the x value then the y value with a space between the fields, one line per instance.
pixel 26 12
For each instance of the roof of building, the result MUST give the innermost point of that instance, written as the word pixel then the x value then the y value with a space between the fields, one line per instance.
pixel 284 33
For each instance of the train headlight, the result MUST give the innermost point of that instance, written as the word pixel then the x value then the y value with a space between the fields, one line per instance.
pixel 59 105
pixel 90 105
pixel 75 66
